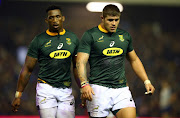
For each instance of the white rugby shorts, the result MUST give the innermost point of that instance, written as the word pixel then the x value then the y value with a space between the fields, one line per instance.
pixel 48 97
pixel 106 99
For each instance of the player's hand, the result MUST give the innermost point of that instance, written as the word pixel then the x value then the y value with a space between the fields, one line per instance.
pixel 150 89
pixel 86 93
pixel 15 104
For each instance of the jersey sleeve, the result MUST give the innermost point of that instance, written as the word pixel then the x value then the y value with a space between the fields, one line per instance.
pixel 130 46
pixel 33 48
pixel 85 43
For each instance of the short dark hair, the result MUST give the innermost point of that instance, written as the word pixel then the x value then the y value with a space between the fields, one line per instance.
pixel 111 10
pixel 53 7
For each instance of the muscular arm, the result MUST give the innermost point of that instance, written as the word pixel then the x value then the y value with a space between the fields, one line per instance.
pixel 75 72
pixel 82 60
pixel 23 80
pixel 138 68
pixel 25 73
pixel 87 91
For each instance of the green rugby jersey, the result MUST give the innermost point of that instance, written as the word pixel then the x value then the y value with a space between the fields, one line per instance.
pixel 54 53
pixel 107 55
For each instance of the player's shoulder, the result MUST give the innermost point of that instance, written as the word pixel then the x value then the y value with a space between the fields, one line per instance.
pixel 68 32
pixel 122 31
pixel 41 35
pixel 71 35
pixel 92 30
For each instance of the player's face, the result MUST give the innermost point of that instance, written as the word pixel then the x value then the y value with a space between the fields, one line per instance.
pixel 55 20
pixel 111 23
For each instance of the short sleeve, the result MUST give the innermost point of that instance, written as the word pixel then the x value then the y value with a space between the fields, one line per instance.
pixel 130 46
pixel 85 43
pixel 33 48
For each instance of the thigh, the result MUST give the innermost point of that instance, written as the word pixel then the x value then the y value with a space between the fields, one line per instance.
pixel 65 99
pixel 128 112
pixel 100 104
pixel 65 114
pixel 66 103
pixel 122 99
pixel 48 112
pixel 44 96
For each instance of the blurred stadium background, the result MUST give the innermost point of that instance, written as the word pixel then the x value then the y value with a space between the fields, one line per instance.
pixel 153 24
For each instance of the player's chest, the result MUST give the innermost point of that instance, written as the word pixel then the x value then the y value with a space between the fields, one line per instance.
pixel 57 47
pixel 110 45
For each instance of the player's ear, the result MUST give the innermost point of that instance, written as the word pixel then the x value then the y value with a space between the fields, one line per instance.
pixel 46 20
pixel 102 18
pixel 63 18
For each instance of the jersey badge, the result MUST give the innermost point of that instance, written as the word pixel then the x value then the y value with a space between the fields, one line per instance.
pixel 68 41
pixel 121 81
pixel 67 83
pixel 100 39
pixel 60 46
pixel 48 44
pixel 121 38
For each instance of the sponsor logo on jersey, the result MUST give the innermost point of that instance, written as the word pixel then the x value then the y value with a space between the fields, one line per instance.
pixel 60 46
pixel 60 54
pixel 121 38
pixel 68 41
pixel 112 43
pixel 48 44
pixel 112 51
pixel 100 39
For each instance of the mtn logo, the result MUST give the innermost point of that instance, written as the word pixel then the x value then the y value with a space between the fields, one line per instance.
pixel 112 51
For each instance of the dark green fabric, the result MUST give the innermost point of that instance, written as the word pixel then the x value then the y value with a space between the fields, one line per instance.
pixel 107 56
pixel 54 66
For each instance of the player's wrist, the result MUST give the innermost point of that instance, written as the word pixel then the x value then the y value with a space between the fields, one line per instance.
pixel 18 94
pixel 147 82
pixel 84 83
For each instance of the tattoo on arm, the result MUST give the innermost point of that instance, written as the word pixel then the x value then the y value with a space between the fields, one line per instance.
pixel 81 67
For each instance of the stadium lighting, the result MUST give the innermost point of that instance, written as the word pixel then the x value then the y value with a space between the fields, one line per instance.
pixel 98 6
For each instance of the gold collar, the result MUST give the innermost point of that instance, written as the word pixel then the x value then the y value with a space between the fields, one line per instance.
pixel 102 29
pixel 54 34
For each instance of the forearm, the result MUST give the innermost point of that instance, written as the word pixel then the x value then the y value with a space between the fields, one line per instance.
pixel 139 69
pixel 25 73
pixel 82 73
pixel 23 80
pixel 82 59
